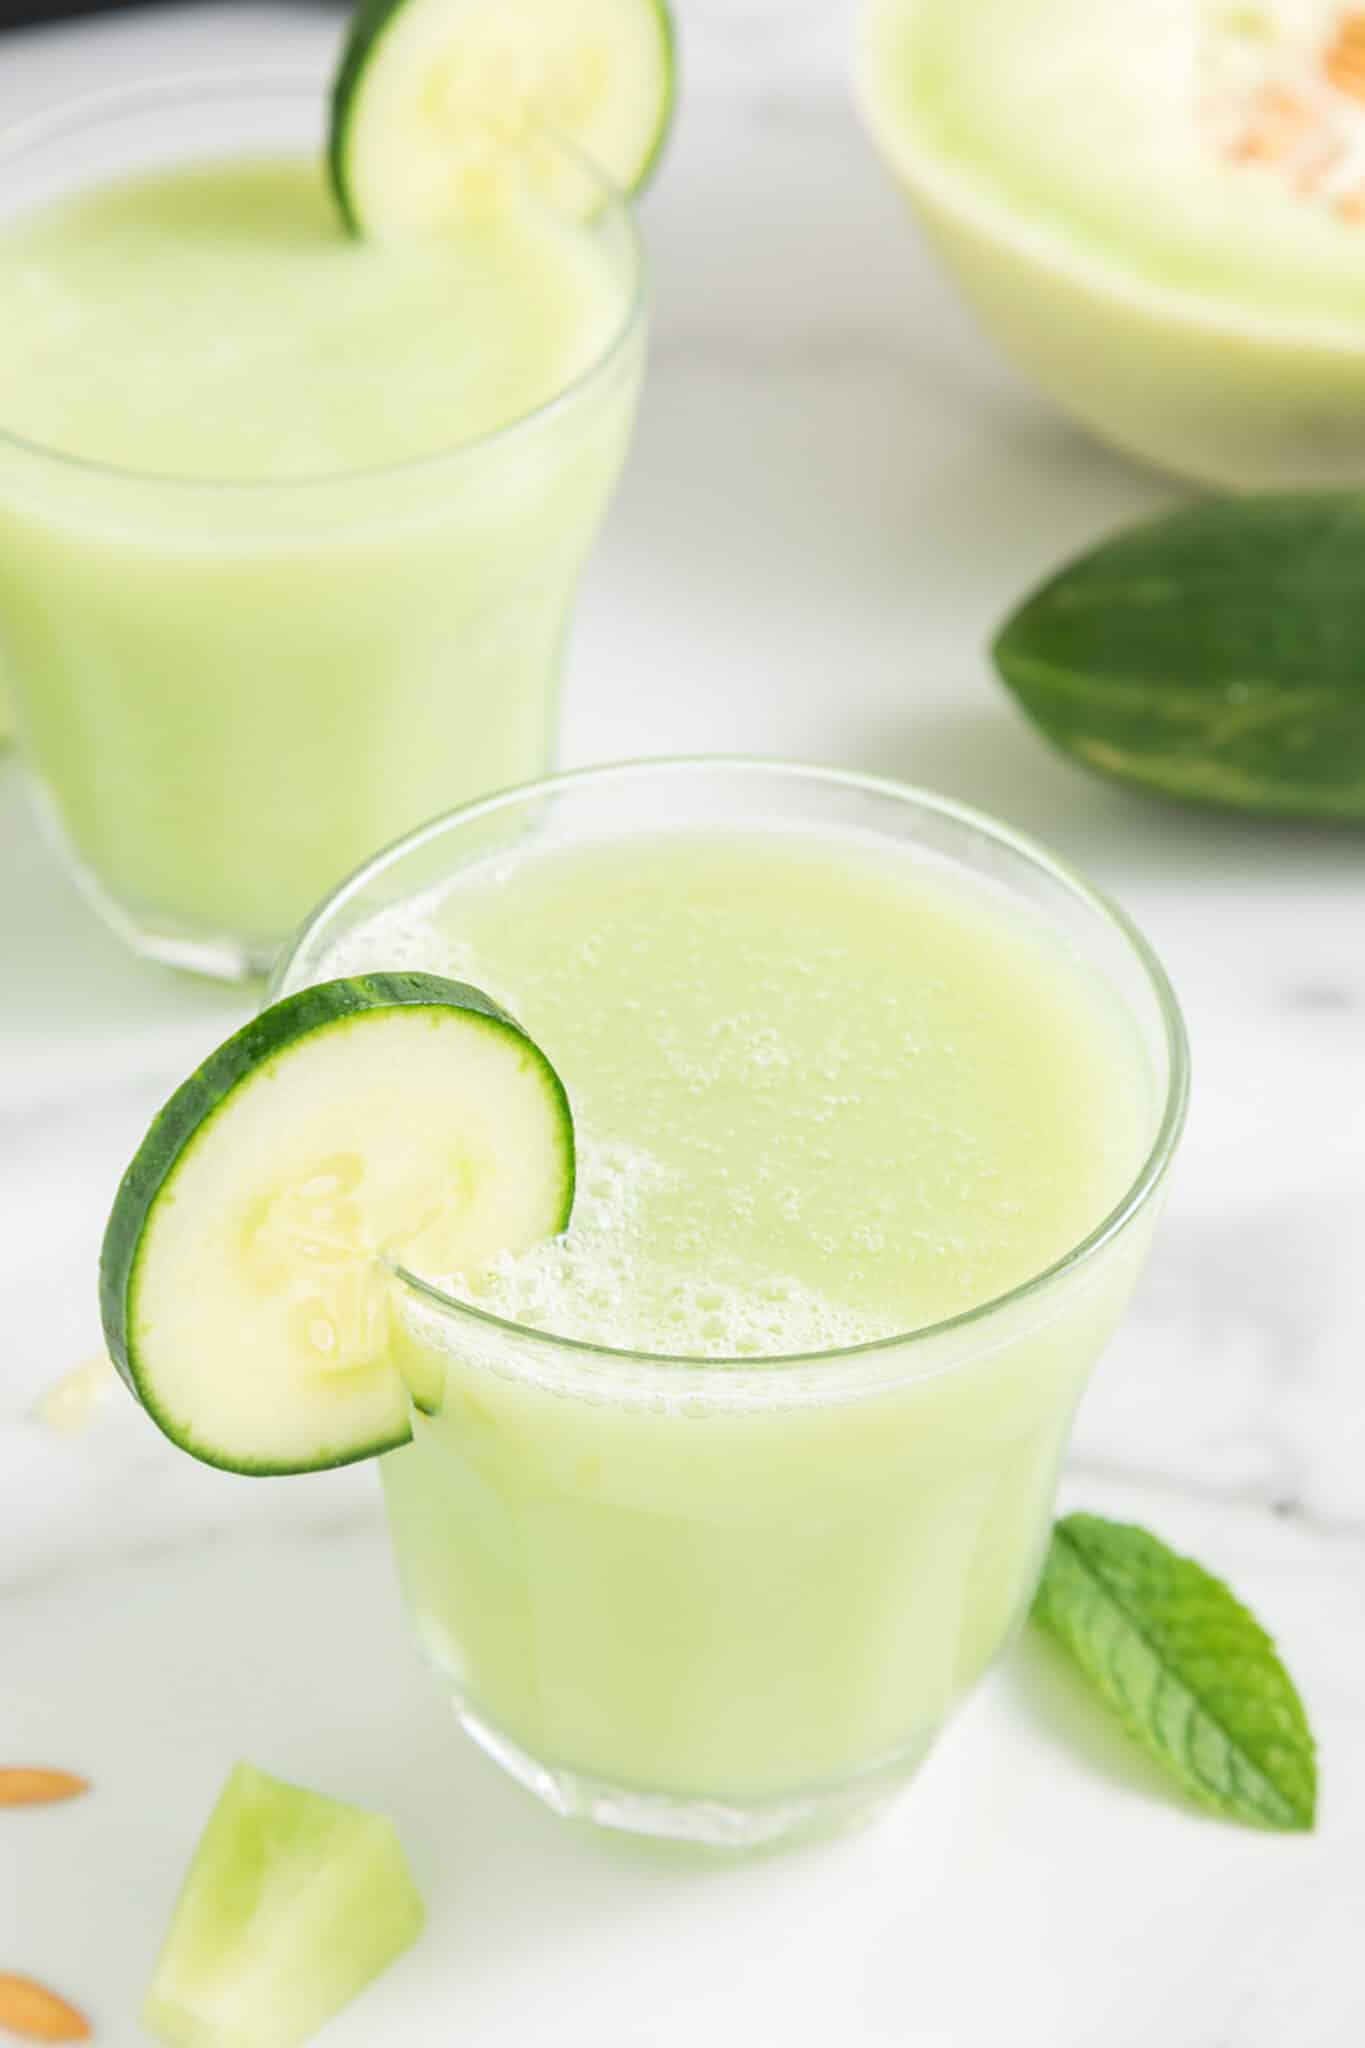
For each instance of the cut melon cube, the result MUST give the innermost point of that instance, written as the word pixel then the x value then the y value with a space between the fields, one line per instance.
pixel 292 1904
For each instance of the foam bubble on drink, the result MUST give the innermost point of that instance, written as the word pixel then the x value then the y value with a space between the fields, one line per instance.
pixel 597 1284
pixel 407 940
pixel 603 1282
pixel 402 939
pixel 391 941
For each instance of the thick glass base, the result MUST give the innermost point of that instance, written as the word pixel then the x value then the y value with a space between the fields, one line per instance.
pixel 703 1822
pixel 158 935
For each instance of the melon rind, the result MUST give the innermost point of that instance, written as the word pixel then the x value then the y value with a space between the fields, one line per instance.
pixel 1237 395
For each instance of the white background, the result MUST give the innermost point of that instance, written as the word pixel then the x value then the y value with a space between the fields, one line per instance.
pixel 836 491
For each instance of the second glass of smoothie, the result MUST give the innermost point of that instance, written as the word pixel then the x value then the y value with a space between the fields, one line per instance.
pixel 290 523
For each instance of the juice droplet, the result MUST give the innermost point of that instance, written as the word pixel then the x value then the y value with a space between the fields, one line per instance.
pixel 72 1402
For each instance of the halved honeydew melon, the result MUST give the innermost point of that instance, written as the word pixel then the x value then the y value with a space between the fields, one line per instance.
pixel 1158 209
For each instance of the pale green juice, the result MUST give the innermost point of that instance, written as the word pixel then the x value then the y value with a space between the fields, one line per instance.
pixel 825 1093
pixel 273 587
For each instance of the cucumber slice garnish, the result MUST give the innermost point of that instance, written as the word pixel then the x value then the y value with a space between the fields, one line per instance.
pixel 430 92
pixel 292 1905
pixel 244 1281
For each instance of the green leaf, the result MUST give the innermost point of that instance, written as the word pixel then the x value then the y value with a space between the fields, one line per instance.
pixel 1191 1674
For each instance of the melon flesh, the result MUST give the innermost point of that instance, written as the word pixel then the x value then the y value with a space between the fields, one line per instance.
pixel 292 1905
pixel 1158 209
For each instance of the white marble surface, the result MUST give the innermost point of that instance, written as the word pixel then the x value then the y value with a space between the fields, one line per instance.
pixel 836 490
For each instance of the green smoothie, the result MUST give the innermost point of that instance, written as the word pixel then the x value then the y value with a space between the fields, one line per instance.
pixel 273 586
pixel 826 1092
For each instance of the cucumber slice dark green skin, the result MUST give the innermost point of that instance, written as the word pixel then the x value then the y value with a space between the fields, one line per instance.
pixel 1215 655
pixel 199 1098
pixel 368 24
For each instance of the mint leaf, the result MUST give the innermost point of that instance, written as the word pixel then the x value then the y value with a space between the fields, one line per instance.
pixel 1191 1674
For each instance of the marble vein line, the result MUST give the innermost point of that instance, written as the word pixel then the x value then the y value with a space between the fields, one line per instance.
pixel 1284 1507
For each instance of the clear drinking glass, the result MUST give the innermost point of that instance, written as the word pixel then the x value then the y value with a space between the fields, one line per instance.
pixel 229 693
pixel 722 1600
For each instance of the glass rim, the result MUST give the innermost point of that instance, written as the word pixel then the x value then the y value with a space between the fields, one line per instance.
pixel 88 110
pixel 1141 1188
